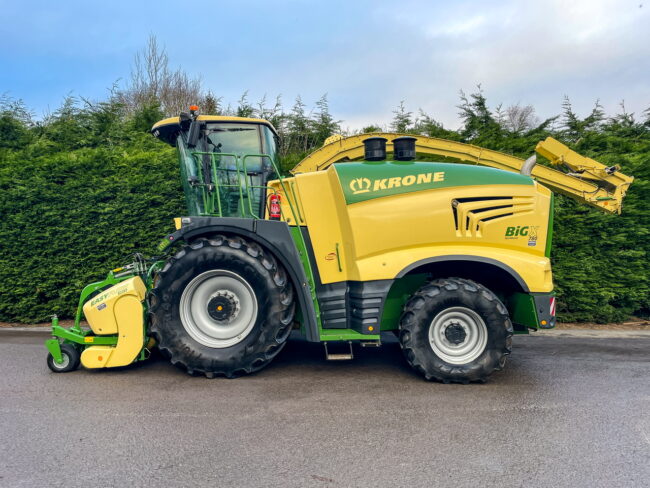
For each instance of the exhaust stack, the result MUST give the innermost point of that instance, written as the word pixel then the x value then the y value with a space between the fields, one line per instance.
pixel 375 149
pixel 404 148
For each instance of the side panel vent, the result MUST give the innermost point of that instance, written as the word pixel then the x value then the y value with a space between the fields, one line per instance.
pixel 366 304
pixel 333 305
pixel 472 214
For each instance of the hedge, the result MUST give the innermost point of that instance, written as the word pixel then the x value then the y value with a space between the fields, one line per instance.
pixel 81 192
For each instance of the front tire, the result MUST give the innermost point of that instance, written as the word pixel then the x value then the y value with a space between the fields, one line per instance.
pixel 70 359
pixel 455 330
pixel 222 307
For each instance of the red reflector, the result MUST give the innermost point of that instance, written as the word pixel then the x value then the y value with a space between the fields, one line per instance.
pixel 274 207
pixel 552 306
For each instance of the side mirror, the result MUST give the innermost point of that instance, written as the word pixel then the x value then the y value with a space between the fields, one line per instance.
pixel 194 133
pixel 184 120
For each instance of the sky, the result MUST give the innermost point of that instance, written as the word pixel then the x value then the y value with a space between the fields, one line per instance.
pixel 367 56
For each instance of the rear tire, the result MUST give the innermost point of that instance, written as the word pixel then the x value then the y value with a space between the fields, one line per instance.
pixel 455 330
pixel 222 307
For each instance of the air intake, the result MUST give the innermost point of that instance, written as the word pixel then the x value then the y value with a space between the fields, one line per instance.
pixel 472 215
pixel 375 149
pixel 404 148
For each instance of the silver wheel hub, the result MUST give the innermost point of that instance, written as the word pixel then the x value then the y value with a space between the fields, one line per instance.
pixel 458 335
pixel 65 360
pixel 218 308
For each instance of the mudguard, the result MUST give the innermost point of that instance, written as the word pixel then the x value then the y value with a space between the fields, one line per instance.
pixel 273 235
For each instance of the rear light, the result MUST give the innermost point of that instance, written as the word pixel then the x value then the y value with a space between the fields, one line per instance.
pixel 552 306
pixel 274 207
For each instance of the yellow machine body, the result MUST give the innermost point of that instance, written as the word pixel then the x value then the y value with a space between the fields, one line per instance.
pixel 117 310
pixel 381 237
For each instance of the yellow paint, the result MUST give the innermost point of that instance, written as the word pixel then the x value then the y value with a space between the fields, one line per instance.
pixel 96 356
pixel 216 118
pixel 128 313
pixel 320 200
pixel 591 170
pixel 596 184
pixel 379 238
pixel 177 223
pixel 117 310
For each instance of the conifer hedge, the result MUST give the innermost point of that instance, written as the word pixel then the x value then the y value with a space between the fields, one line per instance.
pixel 85 188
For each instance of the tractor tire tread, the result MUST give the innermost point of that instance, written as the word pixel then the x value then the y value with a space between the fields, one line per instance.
pixel 275 330
pixel 415 312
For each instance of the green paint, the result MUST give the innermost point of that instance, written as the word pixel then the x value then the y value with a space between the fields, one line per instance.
pixel 299 240
pixel 346 335
pixel 230 181
pixel 338 258
pixel 399 293
pixel 84 337
pixel 368 180
pixel 164 244
pixel 522 310
pixel 54 348
pixel 549 231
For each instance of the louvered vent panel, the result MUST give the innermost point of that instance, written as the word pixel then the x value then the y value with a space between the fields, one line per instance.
pixel 472 214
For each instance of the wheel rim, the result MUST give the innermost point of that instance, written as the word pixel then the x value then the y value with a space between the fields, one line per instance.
pixel 218 308
pixel 458 335
pixel 65 361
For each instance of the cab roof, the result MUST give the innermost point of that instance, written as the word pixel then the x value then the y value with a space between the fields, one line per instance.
pixel 167 129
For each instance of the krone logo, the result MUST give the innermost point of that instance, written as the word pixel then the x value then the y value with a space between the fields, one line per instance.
pixel 360 185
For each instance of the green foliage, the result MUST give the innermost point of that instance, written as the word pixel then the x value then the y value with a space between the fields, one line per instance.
pixel 244 108
pixel 402 119
pixel 146 116
pixel 479 124
pixel 70 214
pixel 600 261
pixel 369 129
pixel 15 121
pixel 87 186
pixel 211 104
pixel 323 124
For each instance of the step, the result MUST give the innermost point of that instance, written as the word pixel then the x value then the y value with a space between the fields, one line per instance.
pixel 343 351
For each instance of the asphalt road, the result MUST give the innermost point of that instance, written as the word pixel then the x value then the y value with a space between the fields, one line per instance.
pixel 567 411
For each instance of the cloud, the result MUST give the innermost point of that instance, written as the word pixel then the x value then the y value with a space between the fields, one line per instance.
pixel 529 52
pixel 366 55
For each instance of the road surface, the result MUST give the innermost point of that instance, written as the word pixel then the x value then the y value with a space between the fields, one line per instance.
pixel 567 411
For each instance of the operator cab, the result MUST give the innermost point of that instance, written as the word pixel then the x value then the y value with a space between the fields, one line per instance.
pixel 225 162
